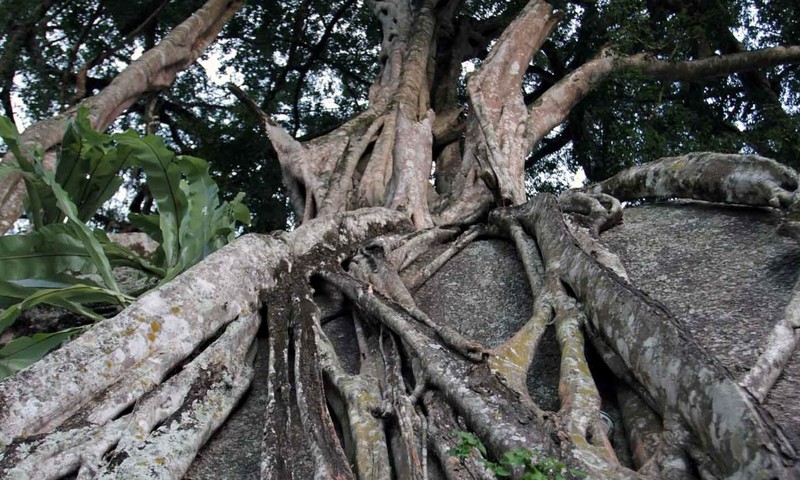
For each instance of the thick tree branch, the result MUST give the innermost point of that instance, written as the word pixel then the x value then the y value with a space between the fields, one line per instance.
pixel 153 71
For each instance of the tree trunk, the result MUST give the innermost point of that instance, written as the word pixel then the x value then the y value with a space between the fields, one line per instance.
pixel 139 394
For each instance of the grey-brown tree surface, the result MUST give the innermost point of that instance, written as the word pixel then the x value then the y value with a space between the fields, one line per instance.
pixel 138 395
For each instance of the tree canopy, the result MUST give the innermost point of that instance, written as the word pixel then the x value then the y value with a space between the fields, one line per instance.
pixel 310 64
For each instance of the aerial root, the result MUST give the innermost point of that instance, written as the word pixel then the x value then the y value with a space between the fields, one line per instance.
pixel 188 407
pixel 419 279
pixel 370 266
pixel 780 345
pixel 442 427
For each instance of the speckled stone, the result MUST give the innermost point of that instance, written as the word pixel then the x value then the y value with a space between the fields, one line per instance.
pixel 725 275
pixel 722 271
pixel 482 292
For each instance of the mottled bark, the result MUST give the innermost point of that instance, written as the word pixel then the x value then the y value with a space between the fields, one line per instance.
pixel 417 380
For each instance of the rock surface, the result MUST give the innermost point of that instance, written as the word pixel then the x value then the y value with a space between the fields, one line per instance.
pixel 726 276
pixel 722 271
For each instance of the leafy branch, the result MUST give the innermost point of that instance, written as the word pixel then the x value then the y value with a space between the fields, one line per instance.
pixel 518 461
pixel 65 263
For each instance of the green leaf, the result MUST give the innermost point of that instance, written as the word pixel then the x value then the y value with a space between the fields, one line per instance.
pixel 24 351
pixel 518 457
pixel 501 471
pixel 70 298
pixel 10 135
pixel 88 166
pixel 197 223
pixel 82 232
pixel 149 224
pixel 163 179
pixel 44 254
pixel 12 291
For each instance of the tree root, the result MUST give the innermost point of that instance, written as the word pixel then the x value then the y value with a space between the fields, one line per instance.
pixel 679 376
pixel 714 177
pixel 483 402
pixel 354 397
pixel 780 345
pixel 418 280
pixel 188 407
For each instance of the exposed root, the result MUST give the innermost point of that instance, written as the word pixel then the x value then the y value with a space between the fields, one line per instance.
pixel 714 177
pixel 407 457
pixel 780 345
pixel 370 266
pixel 401 256
pixel 442 428
pixel 601 211
pixel 589 214
pixel 189 407
pixel 355 396
pixel 641 424
pixel 681 378
pixel 120 359
pixel 419 279
pixel 513 358
pixel 585 439
pixel 503 423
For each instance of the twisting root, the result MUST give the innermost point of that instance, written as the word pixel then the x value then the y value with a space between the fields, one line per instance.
pixel 408 248
pixel 781 344
pixel 370 266
pixel 585 438
pixel 189 407
pixel 407 459
pixel 513 358
pixel 354 397
pixel 599 210
pixel 462 242
pixel 486 404
pixel 589 214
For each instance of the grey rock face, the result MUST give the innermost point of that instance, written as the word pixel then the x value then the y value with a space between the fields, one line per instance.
pixel 726 276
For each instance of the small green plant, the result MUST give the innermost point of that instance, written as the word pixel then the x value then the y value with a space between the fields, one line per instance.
pixel 520 460
pixel 64 263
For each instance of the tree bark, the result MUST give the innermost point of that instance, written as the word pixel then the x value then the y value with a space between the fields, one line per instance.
pixel 163 374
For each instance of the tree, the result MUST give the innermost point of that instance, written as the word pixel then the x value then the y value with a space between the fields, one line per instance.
pixel 368 210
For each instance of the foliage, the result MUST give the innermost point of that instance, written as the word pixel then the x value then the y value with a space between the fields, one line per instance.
pixel 519 461
pixel 309 64
pixel 65 263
